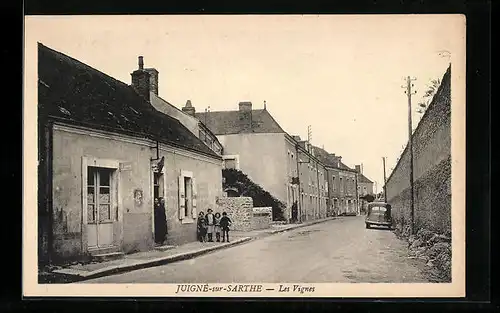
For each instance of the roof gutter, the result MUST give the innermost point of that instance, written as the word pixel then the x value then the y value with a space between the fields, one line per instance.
pixel 134 134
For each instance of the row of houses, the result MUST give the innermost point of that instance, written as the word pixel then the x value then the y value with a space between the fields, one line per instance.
pixel 291 169
pixel 107 150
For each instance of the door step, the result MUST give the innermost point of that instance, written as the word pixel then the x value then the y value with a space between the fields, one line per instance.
pixel 104 250
pixel 164 248
pixel 107 256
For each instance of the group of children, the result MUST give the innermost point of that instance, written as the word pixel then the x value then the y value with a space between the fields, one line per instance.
pixel 213 223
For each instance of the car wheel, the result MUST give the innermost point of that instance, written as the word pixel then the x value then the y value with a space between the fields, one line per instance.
pixel 367 226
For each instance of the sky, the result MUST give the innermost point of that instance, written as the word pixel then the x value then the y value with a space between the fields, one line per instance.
pixel 341 74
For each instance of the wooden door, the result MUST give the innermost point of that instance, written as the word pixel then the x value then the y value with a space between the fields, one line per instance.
pixel 101 217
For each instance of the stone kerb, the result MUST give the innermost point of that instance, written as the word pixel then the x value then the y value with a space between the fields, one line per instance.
pixel 239 209
pixel 262 217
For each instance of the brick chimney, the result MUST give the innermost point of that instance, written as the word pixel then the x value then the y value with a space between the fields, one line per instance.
pixel 153 80
pixel 358 169
pixel 189 108
pixel 141 80
pixel 245 116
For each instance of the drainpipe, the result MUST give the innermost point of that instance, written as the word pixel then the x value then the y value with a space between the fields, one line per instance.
pixel 357 196
pixel 299 202
pixel 328 191
pixel 319 191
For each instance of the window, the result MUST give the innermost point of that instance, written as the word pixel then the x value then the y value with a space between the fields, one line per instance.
pixel 99 206
pixel 218 148
pixel 378 209
pixel 341 185
pixel 187 197
pixel 188 191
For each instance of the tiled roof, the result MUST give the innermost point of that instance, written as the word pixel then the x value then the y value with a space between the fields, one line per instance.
pixel 329 160
pixel 363 179
pixel 345 167
pixel 76 93
pixel 325 157
pixel 227 122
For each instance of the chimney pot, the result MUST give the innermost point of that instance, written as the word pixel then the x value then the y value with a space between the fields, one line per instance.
pixel 189 108
pixel 141 80
pixel 141 62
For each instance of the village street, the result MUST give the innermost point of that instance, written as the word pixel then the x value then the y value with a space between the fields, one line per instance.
pixel 338 251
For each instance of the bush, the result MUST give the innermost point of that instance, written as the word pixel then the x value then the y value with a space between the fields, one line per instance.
pixel 425 234
pixel 247 188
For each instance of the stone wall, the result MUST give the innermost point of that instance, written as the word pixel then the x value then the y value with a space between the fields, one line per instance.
pixel 262 217
pixel 432 170
pixel 239 210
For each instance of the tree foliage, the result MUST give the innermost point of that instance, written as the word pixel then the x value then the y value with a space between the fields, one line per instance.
pixel 247 188
pixel 368 198
pixel 429 93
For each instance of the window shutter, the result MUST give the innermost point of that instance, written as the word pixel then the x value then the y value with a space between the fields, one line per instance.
pixel 195 196
pixel 182 198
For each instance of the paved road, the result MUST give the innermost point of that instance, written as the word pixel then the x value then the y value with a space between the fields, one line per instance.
pixel 338 251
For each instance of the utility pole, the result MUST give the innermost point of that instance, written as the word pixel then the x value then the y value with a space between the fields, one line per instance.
pixel 309 137
pixel 385 182
pixel 409 93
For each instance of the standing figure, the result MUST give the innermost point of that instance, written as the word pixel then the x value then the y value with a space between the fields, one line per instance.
pixel 225 222
pixel 217 228
pixel 201 227
pixel 210 219
pixel 163 208
pixel 160 221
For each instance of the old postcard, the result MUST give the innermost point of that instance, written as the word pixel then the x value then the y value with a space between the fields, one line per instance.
pixel 244 156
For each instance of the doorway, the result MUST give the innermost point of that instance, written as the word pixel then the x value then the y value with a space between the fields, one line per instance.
pixel 159 208
pixel 102 210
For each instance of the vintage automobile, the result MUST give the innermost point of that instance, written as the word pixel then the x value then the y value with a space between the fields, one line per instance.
pixel 378 214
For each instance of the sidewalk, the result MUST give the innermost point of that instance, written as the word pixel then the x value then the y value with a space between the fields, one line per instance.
pixel 152 258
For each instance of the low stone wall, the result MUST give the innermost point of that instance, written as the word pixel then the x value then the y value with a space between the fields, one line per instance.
pixel 239 210
pixel 262 217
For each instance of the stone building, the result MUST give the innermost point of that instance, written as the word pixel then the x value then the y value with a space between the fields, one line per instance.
pixel 342 184
pixel 313 183
pixel 256 144
pixel 365 187
pixel 104 154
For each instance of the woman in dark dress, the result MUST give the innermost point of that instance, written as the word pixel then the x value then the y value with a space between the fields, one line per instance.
pixel 160 221
pixel 201 227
